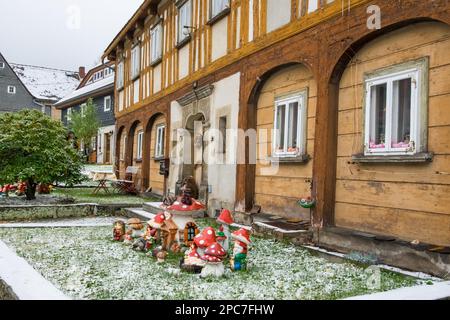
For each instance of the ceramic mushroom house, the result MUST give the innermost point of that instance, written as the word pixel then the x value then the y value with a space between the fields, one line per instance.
pixel 118 230
pixel 192 261
pixel 204 239
pixel 225 219
pixel 134 230
pixel 241 242
pixel 213 257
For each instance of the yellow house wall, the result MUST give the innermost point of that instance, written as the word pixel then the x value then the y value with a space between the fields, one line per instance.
pixel 408 201
pixel 278 193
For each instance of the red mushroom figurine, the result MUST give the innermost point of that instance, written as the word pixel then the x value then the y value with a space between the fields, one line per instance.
pixel 204 239
pixel 214 256
pixel 225 219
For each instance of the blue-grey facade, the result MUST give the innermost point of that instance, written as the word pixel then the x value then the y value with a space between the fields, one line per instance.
pixel 106 118
pixel 21 98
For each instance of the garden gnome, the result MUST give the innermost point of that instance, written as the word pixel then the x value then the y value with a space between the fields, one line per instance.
pixel 241 242
pixel 134 231
pixel 225 219
pixel 213 257
pixel 118 230
pixel 221 237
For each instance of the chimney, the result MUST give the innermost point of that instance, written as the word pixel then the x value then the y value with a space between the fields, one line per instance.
pixel 82 72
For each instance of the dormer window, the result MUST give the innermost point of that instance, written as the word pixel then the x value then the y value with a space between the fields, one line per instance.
pixel 135 62
pixel 2 65
pixel 11 89
pixel 156 43
pixel 184 21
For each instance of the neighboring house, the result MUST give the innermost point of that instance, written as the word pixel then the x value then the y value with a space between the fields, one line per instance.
pixel 355 116
pixel 14 95
pixel 98 84
pixel 47 85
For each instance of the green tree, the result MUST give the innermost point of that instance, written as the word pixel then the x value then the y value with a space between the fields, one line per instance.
pixel 35 149
pixel 84 124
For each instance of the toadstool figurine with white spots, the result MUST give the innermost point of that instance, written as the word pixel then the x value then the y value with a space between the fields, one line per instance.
pixel 204 239
pixel 225 219
pixel 214 256
pixel 192 261
pixel 241 242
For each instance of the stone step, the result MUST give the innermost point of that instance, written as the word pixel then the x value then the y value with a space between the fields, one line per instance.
pixel 152 207
pixel 301 236
pixel 144 215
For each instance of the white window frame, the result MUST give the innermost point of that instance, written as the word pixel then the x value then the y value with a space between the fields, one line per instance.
pixel 301 98
pixel 415 138
pixel 69 115
pixel 123 150
pixel 107 106
pixel 160 140
pixel 135 61
pixel 14 89
pixel 83 109
pixel 2 65
pixel 156 38
pixel 120 74
pixel 217 7
pixel 184 19
pixel 140 141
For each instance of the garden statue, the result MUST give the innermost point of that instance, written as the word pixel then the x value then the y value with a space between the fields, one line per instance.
pixel 134 230
pixel 118 230
pixel 221 238
pixel 21 189
pixel 225 219
pixel 204 239
pixel 190 184
pixel 192 261
pixel 213 257
pixel 241 242
pixel 161 256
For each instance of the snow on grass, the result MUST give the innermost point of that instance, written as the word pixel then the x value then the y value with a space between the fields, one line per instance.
pixel 85 264
pixel 86 195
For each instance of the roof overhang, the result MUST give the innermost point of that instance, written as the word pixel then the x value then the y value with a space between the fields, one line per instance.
pixel 149 7
pixel 82 98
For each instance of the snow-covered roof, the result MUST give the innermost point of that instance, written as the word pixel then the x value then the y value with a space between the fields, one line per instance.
pixel 87 90
pixel 46 83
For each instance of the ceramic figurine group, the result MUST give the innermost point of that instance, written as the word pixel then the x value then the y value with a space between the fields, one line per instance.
pixel 207 250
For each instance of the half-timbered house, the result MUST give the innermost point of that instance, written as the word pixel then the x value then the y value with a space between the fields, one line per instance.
pixel 353 113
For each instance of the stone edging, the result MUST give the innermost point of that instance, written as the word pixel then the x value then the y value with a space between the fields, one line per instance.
pixel 19 281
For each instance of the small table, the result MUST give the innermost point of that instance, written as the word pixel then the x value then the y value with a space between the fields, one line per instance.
pixel 102 177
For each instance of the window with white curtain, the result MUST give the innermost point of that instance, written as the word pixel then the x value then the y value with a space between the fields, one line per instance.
pixel 156 43
pixel 135 61
pixel 184 21
pixel 218 6
pixel 290 119
pixel 160 138
pixel 392 115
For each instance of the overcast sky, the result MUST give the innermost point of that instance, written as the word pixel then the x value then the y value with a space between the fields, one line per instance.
pixel 62 34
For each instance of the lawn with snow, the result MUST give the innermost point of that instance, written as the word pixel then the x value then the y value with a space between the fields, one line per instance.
pixel 86 264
